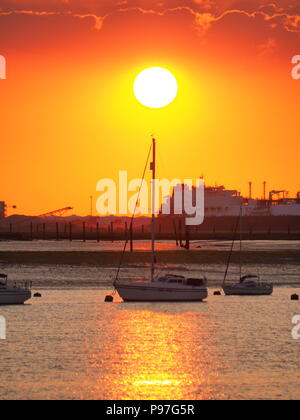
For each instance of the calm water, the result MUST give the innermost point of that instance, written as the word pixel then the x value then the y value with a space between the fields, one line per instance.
pixel 69 344
pixel 142 245
pixel 68 276
pixel 60 276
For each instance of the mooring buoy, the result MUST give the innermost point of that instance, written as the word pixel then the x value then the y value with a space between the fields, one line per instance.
pixel 108 298
pixel 295 297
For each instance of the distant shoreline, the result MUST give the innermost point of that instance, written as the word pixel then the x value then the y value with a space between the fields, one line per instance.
pixel 274 235
pixel 112 258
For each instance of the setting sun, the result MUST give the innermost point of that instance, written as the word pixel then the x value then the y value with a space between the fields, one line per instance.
pixel 155 87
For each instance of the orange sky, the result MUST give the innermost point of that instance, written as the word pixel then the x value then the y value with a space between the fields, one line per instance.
pixel 69 117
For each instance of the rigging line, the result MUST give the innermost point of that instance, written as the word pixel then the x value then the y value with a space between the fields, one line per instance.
pixel 231 249
pixel 131 221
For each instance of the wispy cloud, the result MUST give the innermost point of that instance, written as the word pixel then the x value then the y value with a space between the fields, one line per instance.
pixel 97 19
pixel 203 12
pixel 204 20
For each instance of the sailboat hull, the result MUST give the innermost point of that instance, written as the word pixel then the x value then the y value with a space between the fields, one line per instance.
pixel 240 291
pixel 14 296
pixel 152 292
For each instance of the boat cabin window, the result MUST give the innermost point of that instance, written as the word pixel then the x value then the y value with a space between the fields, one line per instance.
pixel 195 282
pixel 249 278
pixel 175 281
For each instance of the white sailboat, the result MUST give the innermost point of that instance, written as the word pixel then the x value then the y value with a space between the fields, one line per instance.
pixel 13 295
pixel 248 285
pixel 167 288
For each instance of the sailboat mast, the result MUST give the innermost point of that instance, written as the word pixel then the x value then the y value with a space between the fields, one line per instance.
pixel 241 239
pixel 238 221
pixel 153 167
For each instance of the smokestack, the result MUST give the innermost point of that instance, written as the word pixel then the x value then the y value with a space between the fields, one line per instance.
pixel 250 189
pixel 264 189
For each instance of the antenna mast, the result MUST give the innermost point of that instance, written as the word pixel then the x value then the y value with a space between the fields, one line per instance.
pixel 153 167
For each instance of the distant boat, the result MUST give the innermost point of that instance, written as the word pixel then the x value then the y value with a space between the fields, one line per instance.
pixel 12 295
pixel 168 288
pixel 248 285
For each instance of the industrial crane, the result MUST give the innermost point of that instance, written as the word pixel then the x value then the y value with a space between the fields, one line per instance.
pixel 59 212
pixel 277 192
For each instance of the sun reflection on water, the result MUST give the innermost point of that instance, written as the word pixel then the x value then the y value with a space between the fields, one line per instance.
pixel 156 355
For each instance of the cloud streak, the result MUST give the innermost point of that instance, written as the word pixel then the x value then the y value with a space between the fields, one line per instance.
pixel 204 20
pixel 99 20
pixel 203 13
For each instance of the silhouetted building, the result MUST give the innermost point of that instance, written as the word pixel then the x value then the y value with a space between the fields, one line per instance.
pixel 2 209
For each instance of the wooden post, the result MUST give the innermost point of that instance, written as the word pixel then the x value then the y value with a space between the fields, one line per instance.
pixel 126 231
pixel 70 232
pixel 112 231
pixel 175 232
pixel 98 233
pixel 187 237
pixel 131 237
pixel 57 232
pixel 180 232
pixel 83 232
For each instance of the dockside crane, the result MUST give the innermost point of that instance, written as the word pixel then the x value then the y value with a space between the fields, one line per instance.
pixel 59 212
pixel 284 192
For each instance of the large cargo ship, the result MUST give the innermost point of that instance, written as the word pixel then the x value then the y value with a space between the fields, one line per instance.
pixel 220 202
pixel 281 207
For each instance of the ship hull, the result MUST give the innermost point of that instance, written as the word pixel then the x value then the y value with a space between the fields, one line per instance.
pixel 152 292
pixel 14 296
pixel 235 291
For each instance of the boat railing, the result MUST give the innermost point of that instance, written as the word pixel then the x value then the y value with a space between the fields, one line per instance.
pixel 265 284
pixel 27 285
pixel 132 279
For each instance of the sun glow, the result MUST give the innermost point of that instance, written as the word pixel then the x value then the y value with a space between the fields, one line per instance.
pixel 155 87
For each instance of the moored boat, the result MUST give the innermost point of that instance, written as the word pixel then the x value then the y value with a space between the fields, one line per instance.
pixel 249 285
pixel 168 288
pixel 13 294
